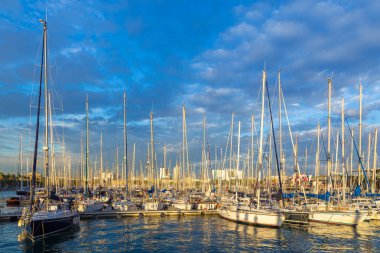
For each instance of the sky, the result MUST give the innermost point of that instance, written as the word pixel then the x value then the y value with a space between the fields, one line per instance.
pixel 206 55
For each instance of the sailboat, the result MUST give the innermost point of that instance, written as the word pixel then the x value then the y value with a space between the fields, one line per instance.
pixel 253 215
pixel 44 219
pixel 333 214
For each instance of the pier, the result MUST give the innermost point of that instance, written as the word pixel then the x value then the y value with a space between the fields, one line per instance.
pixel 117 214
pixel 143 213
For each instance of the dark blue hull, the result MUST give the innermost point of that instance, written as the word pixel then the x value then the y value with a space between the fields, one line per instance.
pixel 45 227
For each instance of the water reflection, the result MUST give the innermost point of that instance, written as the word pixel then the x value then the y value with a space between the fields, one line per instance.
pixel 45 244
pixel 195 234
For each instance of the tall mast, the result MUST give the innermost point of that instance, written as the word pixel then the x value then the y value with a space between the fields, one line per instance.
pixel 183 145
pixel 252 149
pixel 204 158
pixel 20 163
pixel 238 161
pixel 33 184
pixel 46 140
pixel 148 166
pixel 117 166
pixel 101 159
pixel 368 154
pixel 374 162
pixel 260 158
pixel 185 153
pixel 280 120
pixel 133 177
pixel 360 132
pixel 317 159
pixel 351 156
pixel 344 184
pixel 64 163
pixel 164 168
pixel 87 148
pixel 125 163
pixel 152 156
pixel 329 136
pixel 232 134
pixel 81 160
pixel 52 144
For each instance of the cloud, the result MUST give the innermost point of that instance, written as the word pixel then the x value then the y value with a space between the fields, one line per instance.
pixel 165 56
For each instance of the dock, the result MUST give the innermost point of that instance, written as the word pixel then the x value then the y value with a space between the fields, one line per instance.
pixel 143 213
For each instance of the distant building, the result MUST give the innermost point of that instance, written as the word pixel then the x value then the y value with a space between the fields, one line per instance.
pixel 164 173
pixel 227 174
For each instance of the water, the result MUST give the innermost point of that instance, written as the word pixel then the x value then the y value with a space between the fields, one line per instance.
pixel 195 234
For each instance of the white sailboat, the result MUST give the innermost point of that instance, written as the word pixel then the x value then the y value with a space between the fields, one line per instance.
pixel 258 217
pixel 340 217
pixel 254 215
pixel 335 215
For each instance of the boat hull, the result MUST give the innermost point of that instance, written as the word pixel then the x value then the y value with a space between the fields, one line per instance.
pixel 38 228
pixel 338 217
pixel 182 206
pixel 256 218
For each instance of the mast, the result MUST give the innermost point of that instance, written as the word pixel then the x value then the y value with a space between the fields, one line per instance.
pixel 117 166
pixel 351 157
pixel 336 166
pixel 125 163
pixel 185 153
pixel 368 154
pixel 152 156
pixel 252 149
pixel 33 184
pixel 183 145
pixel 133 164
pixel 64 164
pixel 52 144
pixel 87 149
pixel 344 184
pixel 46 139
pixel 101 159
pixel 360 133
pixel 204 159
pixel 260 158
pixel 296 168
pixel 280 121
pixel 329 136
pixel 20 164
pixel 164 166
pixel 232 134
pixel 237 164
pixel 374 163
pixel 317 159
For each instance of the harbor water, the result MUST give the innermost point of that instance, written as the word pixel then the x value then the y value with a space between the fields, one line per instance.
pixel 195 234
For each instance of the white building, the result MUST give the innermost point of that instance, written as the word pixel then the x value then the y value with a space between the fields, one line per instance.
pixel 164 173
pixel 227 174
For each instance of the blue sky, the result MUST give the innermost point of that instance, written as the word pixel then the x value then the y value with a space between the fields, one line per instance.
pixel 207 55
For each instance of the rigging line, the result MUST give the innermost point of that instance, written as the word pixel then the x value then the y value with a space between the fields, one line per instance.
pixel 360 159
pixel 291 138
pixel 275 146
pixel 36 141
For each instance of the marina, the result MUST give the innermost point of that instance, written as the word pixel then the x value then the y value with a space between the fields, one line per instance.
pixel 198 233
pixel 153 127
